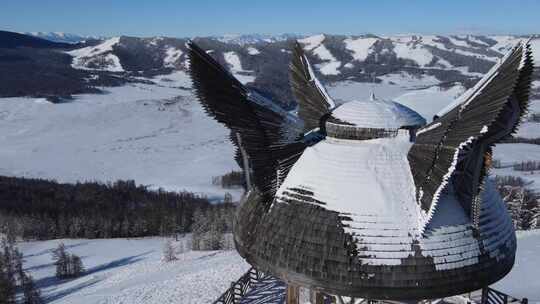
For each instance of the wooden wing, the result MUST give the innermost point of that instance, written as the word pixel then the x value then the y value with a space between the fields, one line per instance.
pixel 314 103
pixel 268 138
pixel 457 146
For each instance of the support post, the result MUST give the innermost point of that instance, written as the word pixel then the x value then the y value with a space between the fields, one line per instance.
pixel 316 297
pixel 484 295
pixel 292 294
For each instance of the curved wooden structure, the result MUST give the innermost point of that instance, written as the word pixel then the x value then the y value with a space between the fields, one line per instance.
pixel 363 200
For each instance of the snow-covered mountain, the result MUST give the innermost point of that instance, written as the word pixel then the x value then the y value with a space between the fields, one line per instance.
pixel 62 37
pixel 256 38
pixel 262 60
pixel 148 114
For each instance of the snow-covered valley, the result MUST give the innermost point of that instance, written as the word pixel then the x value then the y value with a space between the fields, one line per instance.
pixel 131 271
pixel 157 135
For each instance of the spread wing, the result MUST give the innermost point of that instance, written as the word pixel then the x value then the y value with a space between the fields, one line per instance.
pixel 457 146
pixel 313 101
pixel 268 138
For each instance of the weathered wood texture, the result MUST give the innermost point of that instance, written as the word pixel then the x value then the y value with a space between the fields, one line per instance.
pixel 345 131
pixel 293 294
pixel 458 141
pixel 305 244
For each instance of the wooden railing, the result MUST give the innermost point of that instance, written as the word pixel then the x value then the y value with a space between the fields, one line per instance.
pixel 238 289
pixel 492 296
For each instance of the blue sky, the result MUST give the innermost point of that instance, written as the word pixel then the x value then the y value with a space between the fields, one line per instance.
pixel 182 18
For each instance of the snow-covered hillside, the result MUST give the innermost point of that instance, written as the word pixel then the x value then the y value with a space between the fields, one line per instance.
pixel 131 271
pixel 157 135
pixel 523 281
pixel 99 57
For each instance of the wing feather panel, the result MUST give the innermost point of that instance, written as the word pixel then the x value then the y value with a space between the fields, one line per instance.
pixel 456 145
pixel 312 98
pixel 258 127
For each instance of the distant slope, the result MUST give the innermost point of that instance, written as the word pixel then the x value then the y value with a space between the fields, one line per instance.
pixel 62 37
pixel 262 61
pixel 13 40
pixel 31 66
pixel 156 134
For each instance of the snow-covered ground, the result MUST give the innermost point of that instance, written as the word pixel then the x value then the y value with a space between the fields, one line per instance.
pixel 510 154
pixel 131 271
pixel 157 135
pixel 523 281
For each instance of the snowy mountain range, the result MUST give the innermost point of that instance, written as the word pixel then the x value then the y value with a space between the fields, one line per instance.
pixel 262 60
pixel 147 113
pixel 62 37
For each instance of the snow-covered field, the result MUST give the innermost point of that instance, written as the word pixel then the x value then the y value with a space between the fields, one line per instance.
pixel 131 271
pixel 523 281
pixel 157 135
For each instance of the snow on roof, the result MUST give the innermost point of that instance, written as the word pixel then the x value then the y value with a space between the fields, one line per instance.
pixel 370 184
pixel 342 172
pixel 377 113
pixel 360 47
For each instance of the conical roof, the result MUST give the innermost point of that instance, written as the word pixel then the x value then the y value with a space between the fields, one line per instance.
pixel 377 114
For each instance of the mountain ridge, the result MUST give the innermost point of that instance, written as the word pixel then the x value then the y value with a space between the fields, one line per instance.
pixel 261 61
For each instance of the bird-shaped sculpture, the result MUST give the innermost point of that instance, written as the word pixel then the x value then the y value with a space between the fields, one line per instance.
pixel 363 199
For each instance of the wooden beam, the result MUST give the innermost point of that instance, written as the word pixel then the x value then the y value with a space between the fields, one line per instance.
pixel 292 294
pixel 316 297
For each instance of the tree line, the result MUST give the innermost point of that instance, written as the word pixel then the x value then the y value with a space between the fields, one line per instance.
pixel 13 278
pixel 523 204
pixel 44 209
